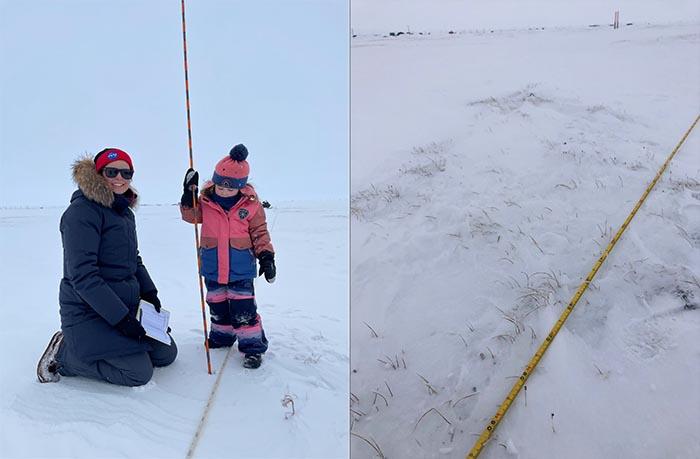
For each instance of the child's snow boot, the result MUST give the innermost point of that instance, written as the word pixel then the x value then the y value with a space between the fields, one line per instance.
pixel 47 369
pixel 252 360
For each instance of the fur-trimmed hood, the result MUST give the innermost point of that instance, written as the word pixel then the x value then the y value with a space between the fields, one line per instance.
pixel 94 186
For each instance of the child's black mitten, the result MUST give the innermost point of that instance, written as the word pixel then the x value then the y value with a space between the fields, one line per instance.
pixel 190 184
pixel 267 266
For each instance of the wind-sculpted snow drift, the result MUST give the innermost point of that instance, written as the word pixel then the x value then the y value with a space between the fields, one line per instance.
pixel 515 160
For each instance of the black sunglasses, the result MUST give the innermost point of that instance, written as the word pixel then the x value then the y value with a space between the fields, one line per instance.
pixel 112 172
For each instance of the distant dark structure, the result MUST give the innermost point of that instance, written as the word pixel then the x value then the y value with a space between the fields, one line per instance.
pixel 266 204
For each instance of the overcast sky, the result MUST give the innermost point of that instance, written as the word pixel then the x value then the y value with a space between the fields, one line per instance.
pixel 79 76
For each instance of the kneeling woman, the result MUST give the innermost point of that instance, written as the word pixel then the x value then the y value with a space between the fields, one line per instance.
pixel 103 282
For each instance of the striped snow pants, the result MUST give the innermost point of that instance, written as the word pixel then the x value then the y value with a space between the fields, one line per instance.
pixel 233 314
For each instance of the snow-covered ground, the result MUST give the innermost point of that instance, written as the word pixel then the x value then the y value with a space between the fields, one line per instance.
pixel 305 314
pixel 489 169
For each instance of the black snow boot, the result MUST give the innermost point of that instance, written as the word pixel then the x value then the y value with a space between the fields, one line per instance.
pixel 252 360
pixel 47 369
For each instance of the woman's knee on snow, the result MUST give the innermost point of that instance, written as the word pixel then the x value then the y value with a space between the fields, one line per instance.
pixel 140 377
pixel 131 370
pixel 163 355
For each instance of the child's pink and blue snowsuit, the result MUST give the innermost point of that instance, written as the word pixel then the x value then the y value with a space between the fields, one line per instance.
pixel 230 243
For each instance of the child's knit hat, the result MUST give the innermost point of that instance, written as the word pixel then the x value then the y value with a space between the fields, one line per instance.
pixel 233 170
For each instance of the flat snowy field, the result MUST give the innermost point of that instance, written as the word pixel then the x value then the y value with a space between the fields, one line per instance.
pixel 489 170
pixel 305 315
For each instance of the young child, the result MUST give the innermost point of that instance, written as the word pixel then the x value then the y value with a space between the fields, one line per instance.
pixel 234 234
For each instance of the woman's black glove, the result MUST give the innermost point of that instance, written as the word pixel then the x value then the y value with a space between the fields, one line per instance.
pixel 267 266
pixel 190 184
pixel 131 327
pixel 152 297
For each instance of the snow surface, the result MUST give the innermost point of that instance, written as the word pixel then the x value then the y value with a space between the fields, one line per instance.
pixel 488 172
pixel 305 315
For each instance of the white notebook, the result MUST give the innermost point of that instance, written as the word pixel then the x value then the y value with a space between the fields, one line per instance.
pixel 155 323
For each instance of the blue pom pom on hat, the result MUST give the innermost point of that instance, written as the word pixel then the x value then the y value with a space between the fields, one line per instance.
pixel 238 153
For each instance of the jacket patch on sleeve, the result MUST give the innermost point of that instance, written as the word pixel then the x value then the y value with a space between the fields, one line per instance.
pixel 243 213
